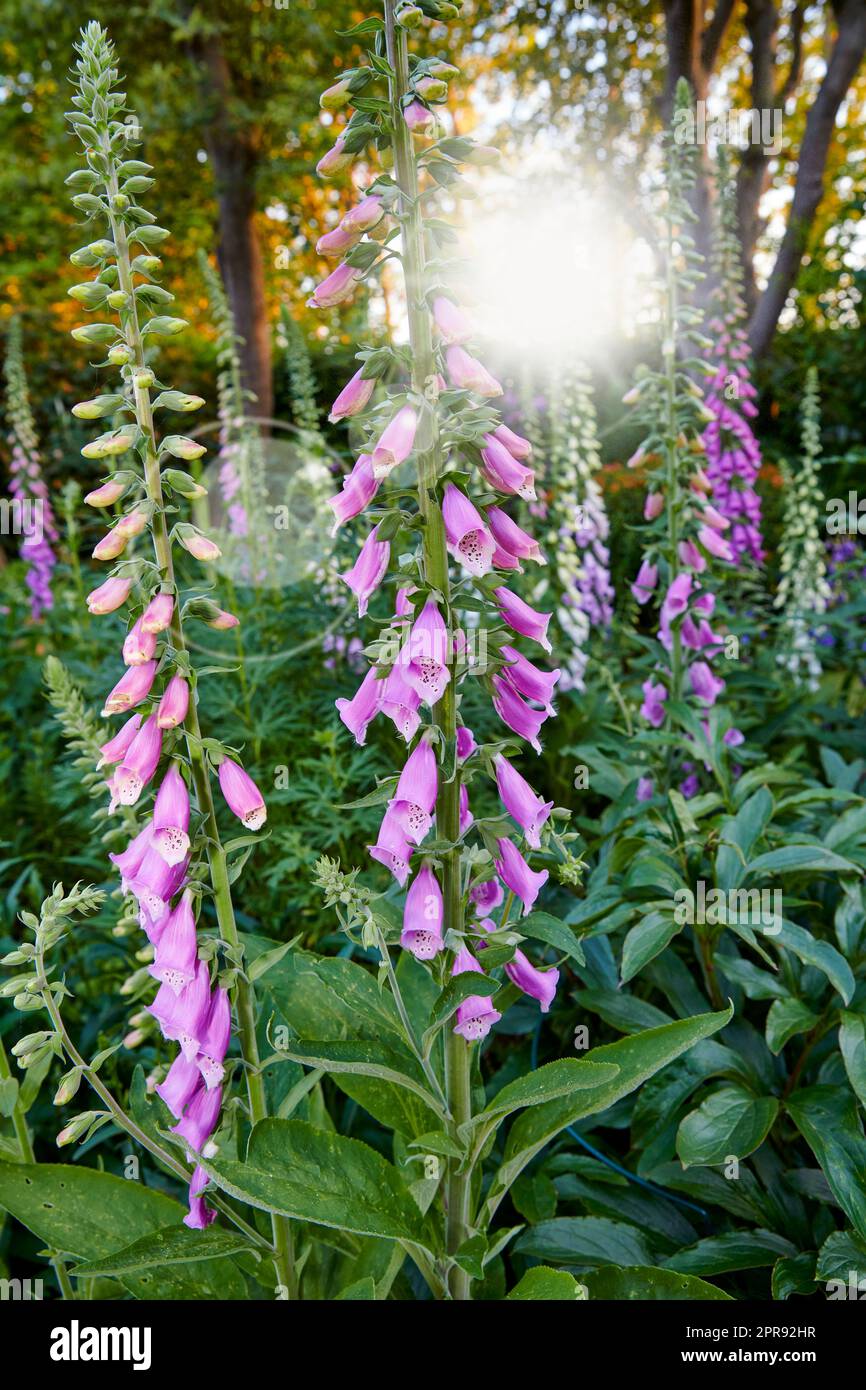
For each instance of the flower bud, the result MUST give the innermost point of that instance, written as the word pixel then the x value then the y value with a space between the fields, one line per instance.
pixel 116 442
pixel 106 495
pixel 143 378
pixel 119 355
pixel 201 547
pixel 76 1127
pixel 111 545
pixel 335 97
pixel 409 17
pixel 181 448
pixel 133 523
pixel 68 1087
pixel 95 333
pixel 109 596
pixel 183 483
pixel 99 406
pixel 431 88
pixel 335 161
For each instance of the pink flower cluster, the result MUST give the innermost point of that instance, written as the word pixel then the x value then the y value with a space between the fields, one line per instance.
pixel 481 542
pixel 733 451
pixel 154 868
pixel 30 495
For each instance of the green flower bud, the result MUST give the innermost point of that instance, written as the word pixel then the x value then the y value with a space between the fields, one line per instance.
pixel 138 184
pixel 119 202
pixel 409 17
pixel 94 333
pixel 146 265
pixel 163 327
pixel 91 294
pixel 120 354
pixel 150 236
pixel 143 378
pixel 30 1043
pixel 98 407
pixel 68 1087
pixel 27 1003
pixel 76 1127
pixel 177 400
pixel 336 96
pixel 87 203
pixel 183 483
pixel 116 442
pixel 118 299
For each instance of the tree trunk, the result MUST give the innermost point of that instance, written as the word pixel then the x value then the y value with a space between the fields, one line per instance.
pixel 845 59
pixel 233 148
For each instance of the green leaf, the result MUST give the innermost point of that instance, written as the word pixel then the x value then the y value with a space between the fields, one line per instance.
pixel 730 1122
pixel 794 1274
pixel 827 1118
pixel 852 1044
pixel 740 833
pixel 735 1250
pixel 541 926
pixel 8 1095
pixel 648 1282
pixel 314 1175
pixel 792 859
pixel 579 1240
pixel 637 1057
pixel 366 26
pixel 546 1083
pixel 267 959
pixel 170 1246
pixel 362 1289
pixel 361 1058
pixel 785 1019
pixel 841 1255
pixel 818 953
pixel 646 940
pixel 546 1285
pixel 91 1215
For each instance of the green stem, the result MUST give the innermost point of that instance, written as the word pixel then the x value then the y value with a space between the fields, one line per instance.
pixel 244 995
pixel 424 1062
pixel 457 1054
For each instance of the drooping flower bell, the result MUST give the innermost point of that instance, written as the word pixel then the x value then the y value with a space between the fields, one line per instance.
pixel 538 984
pixel 468 374
pixel 516 874
pixel 514 712
pixel 504 472
pixel 158 613
pixel 452 323
pixel 174 704
pixel 512 538
pixel 520 801
pixel 522 618
pixel 242 796
pixel 354 397
pixel 359 488
pixel 527 678
pixel 469 538
pixel 476 1014
pixel 114 749
pixel 139 646
pixel 424 657
pixel 139 763
pixel 171 817
pixel 392 848
pixel 174 963
pixel 109 596
pixel 415 794
pixel 199 1122
pixel 396 442
pixel 363 707
pixel 423 916
pixel 369 569
pixel 214 1044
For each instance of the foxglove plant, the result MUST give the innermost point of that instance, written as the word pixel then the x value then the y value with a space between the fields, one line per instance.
pixel 31 508
pixel 732 449
pixel 578 537
pixel 168 864
pixel 686 532
pixel 804 591
pixel 427 652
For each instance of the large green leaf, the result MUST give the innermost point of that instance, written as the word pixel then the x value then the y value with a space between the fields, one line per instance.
pixel 827 1118
pixel 361 1058
pixel 585 1240
pixel 785 1019
pixel 549 1082
pixel 541 926
pixel 818 953
pixel 841 1254
pixel 735 1250
pixel 647 1282
pixel 730 1122
pixel 792 859
pixel 852 1043
pixel 645 940
pixel 315 1175
pixel 91 1215
pixel 637 1058
pixel 738 836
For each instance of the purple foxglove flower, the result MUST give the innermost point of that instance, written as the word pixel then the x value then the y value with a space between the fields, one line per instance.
pixel 690 786
pixel 425 655
pixel 452 323
pixel 153 885
pixel 404 606
pixel 714 543
pixel 476 1015
pixel 242 796
pixel 180 1085
pixel 363 707
pixel 715 519
pixel 354 397
pixel 139 763
pixel 466 744
pixel 691 556
pixel 733 738
pixel 336 243
pixel 653 506
pixel 516 714
pixel 214 1044
pixel 392 848
pixel 644 789
pixel 364 215
pixel 174 963
pixel 114 749
pixel 653 707
pixel 705 685
pixel 399 702
pixel 512 537
pixel 174 704
pixel 335 288
pixel 222 621
pixel 133 523
pixel 396 442
pixel 200 547
pixel 335 161
pixel 469 539
pixel 516 874
pixel 422 916
pixel 106 495
pixel 199 1122
pixel 528 679
pixel 504 472
pixel 157 615
pixel 523 619
pixel 133 687
pixel 503 561
pixel 108 596
pixel 676 600
pixel 486 896
pixel 705 603
pixel 359 487
pixel 468 374
pixel 418 117
pixel 139 646
pixel 538 984
pixel 367 573
pixel 516 445
pixel 130 860
pixel 466 817
pixel 200 1215
pixel 183 1018
pixel 520 801
pixel 647 578
pixel 112 544
pixel 415 793
pixel 171 818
